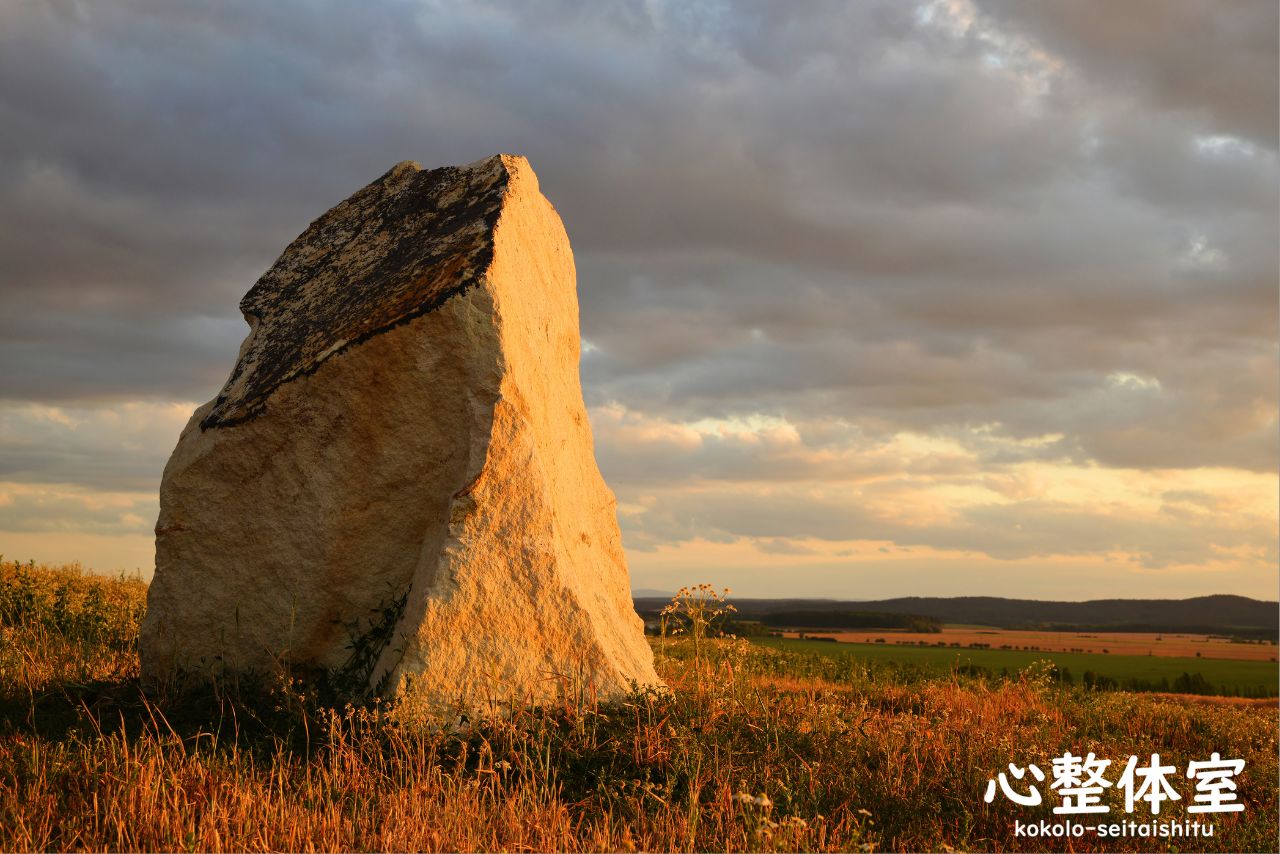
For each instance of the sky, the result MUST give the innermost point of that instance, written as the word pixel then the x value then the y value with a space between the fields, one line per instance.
pixel 950 298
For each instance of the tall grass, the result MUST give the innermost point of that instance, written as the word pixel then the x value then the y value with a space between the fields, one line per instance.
pixel 753 749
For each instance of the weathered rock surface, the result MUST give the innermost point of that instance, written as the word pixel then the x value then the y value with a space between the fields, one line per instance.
pixel 397 483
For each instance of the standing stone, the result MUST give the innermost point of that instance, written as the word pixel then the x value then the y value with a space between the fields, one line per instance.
pixel 397 485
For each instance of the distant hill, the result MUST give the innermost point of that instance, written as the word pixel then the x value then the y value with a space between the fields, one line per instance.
pixel 1237 615
pixel 650 593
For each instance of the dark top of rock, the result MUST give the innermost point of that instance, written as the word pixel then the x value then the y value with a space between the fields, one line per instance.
pixel 393 251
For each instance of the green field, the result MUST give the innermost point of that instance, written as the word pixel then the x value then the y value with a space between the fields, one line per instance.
pixel 1248 678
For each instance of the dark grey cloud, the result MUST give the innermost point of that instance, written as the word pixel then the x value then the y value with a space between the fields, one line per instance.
pixel 1216 60
pixel 1033 219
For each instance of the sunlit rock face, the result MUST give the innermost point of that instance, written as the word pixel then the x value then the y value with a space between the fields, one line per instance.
pixel 397 487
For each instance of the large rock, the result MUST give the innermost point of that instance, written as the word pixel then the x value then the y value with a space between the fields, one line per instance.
pixel 396 486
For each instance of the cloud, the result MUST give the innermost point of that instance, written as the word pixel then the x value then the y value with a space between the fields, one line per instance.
pixel 976 492
pixel 1214 60
pixel 803 233
pixel 49 509
pixel 112 448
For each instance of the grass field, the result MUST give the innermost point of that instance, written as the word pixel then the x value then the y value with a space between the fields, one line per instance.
pixel 754 748
pixel 1117 643
pixel 1230 677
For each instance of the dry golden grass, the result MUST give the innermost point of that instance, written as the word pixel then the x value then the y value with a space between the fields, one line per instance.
pixel 832 757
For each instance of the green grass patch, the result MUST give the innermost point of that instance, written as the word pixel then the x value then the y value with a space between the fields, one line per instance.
pixel 1224 677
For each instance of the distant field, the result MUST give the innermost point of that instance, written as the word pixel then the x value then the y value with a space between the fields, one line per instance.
pixel 1122 643
pixel 1252 677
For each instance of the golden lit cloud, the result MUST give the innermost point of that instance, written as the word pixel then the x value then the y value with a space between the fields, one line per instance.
pixel 971 498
